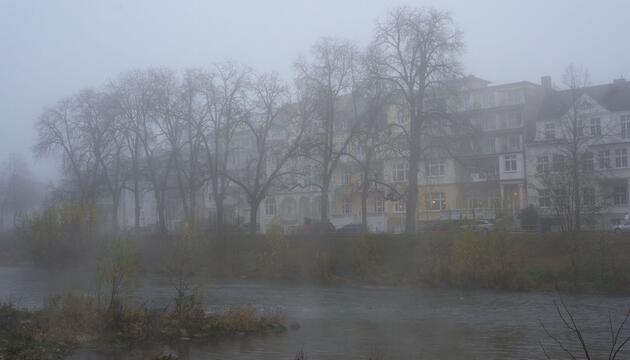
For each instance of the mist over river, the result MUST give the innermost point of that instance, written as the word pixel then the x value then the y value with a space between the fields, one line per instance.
pixel 354 322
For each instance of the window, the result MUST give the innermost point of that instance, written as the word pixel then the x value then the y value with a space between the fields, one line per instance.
pixel 270 206
pixel 490 145
pixel 400 206
pixel 550 131
pixel 625 126
pixel 379 205
pixel 434 168
pixel 347 178
pixel 510 163
pixel 347 206
pixel 596 127
pixel 620 195
pixel 603 159
pixel 544 198
pixel 557 162
pixel 579 128
pixel 588 196
pixel 399 173
pixel 437 201
pixel 542 164
pixel 621 158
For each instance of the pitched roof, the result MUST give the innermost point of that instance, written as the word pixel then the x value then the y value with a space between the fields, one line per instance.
pixel 613 97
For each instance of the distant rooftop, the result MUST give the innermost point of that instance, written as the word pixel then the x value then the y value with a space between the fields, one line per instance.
pixel 613 96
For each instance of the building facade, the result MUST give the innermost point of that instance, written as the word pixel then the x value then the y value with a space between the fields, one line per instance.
pixel 493 170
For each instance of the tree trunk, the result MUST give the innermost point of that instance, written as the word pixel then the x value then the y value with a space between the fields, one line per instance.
pixel 193 207
pixel 253 216
pixel 115 206
pixel 220 217
pixel 136 182
pixel 324 201
pixel 159 202
pixel 136 201
pixel 411 220
pixel 412 191
pixel 364 197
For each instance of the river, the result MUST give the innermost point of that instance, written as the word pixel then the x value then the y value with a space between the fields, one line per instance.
pixel 355 322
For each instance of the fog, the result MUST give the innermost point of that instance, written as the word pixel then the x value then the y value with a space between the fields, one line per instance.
pixel 50 49
pixel 325 179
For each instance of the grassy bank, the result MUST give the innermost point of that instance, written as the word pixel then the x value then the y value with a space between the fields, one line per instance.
pixel 572 262
pixel 586 261
pixel 70 321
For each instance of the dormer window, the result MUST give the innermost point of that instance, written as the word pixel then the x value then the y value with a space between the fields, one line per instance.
pixel 596 127
pixel 579 128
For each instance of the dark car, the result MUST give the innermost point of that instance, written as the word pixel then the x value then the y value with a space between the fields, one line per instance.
pixel 479 225
pixel 350 229
pixel 323 228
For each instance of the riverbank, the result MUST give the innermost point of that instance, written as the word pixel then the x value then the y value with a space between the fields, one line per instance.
pixel 71 321
pixel 581 262
pixel 585 262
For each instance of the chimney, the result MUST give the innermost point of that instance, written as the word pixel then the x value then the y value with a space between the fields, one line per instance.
pixel 545 81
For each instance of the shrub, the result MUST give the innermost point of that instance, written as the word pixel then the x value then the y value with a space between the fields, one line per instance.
pixel 58 235
pixel 116 270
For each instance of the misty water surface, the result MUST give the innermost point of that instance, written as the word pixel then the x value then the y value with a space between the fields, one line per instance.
pixel 341 323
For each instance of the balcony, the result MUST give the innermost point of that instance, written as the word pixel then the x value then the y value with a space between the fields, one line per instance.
pixel 481 177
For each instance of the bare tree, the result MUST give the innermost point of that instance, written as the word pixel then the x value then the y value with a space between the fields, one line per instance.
pixel 102 135
pixel 418 48
pixel 225 101
pixel 191 168
pixel 175 104
pixel 158 159
pixel 131 95
pixel 371 98
pixel 272 136
pixel 570 182
pixel 618 340
pixel 60 131
pixel 326 79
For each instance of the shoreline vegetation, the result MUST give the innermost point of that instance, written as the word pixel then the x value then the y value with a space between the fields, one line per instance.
pixel 190 260
pixel 580 262
pixel 71 321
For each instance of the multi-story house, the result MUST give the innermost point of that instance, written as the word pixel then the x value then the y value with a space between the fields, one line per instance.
pixel 480 171
pixel 480 177
pixel 491 174
pixel 598 117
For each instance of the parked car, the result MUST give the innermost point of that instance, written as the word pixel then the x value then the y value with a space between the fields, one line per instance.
pixel 622 227
pixel 350 229
pixel 479 225
pixel 323 228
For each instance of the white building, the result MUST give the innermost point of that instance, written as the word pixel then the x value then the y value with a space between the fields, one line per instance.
pixel 602 123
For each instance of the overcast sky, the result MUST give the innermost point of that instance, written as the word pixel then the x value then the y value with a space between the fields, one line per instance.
pixel 50 49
